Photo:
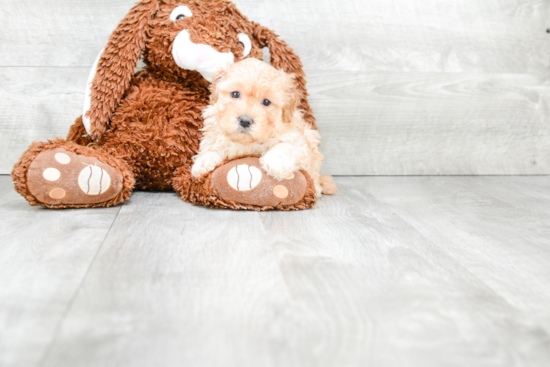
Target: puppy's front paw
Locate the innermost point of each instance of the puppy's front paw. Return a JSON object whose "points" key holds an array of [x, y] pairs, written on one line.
{"points": [[278, 166], [205, 163]]}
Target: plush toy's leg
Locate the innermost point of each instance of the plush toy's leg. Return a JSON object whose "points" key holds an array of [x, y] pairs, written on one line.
{"points": [[61, 174], [241, 183], [78, 134]]}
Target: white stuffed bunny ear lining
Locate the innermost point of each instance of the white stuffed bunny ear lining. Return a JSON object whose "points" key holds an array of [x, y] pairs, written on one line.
{"points": [[88, 94]]}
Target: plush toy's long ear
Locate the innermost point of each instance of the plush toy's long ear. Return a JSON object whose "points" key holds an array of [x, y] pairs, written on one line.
{"points": [[293, 97], [117, 64], [284, 58]]}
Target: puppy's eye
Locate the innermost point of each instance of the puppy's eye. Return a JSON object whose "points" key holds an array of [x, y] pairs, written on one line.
{"points": [[181, 12], [266, 102], [235, 94]]}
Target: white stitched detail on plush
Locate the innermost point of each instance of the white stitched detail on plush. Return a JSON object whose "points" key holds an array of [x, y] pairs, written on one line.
{"points": [[88, 94], [199, 57], [180, 10], [243, 37], [244, 177], [94, 180]]}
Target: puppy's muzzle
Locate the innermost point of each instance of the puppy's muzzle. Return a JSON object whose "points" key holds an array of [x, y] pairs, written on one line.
{"points": [[245, 121]]}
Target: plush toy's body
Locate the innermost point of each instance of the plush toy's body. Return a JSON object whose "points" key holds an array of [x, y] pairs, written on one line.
{"points": [[155, 129], [141, 131]]}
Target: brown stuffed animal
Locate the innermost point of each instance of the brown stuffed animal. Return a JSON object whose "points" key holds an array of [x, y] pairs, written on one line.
{"points": [[142, 130]]}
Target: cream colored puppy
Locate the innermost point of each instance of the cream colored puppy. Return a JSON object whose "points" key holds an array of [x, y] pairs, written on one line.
{"points": [[253, 110]]}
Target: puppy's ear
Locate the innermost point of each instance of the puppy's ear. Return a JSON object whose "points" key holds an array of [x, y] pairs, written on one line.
{"points": [[284, 58], [214, 86], [117, 64], [293, 97]]}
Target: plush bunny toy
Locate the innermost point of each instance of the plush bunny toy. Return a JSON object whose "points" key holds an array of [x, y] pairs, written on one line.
{"points": [[141, 130]]}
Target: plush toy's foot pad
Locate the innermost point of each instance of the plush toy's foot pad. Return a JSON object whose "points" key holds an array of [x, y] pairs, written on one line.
{"points": [[244, 181], [61, 177]]}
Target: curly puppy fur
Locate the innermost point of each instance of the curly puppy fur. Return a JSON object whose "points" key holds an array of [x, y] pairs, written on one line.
{"points": [[254, 110], [151, 120]]}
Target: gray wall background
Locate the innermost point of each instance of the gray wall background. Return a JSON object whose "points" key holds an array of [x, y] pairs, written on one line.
{"points": [[399, 87]]}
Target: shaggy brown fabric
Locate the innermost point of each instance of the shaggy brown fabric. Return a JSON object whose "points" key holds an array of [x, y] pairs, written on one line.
{"points": [[21, 168], [149, 123], [77, 133], [200, 191], [156, 129]]}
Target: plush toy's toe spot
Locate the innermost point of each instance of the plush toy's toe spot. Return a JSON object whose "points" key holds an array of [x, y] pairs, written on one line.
{"points": [[244, 177], [62, 158], [94, 180], [51, 174], [57, 193], [280, 191], [290, 177]]}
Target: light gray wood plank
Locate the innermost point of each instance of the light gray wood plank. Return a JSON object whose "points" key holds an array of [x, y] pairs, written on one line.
{"points": [[523, 192], [410, 36], [432, 124], [44, 257], [371, 123], [67, 33], [380, 35], [351, 283], [37, 104], [497, 228]]}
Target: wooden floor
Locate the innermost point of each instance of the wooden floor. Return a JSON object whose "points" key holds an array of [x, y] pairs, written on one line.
{"points": [[393, 271]]}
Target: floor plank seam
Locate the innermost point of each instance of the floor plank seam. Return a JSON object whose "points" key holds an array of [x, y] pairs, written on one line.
{"points": [[516, 207], [490, 289], [75, 295]]}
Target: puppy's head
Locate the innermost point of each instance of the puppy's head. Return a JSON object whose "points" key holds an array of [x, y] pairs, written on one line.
{"points": [[253, 101]]}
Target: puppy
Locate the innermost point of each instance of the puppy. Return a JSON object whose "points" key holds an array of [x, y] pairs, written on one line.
{"points": [[254, 110]]}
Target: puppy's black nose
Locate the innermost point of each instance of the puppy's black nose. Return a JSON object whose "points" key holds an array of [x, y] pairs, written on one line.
{"points": [[245, 121]]}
